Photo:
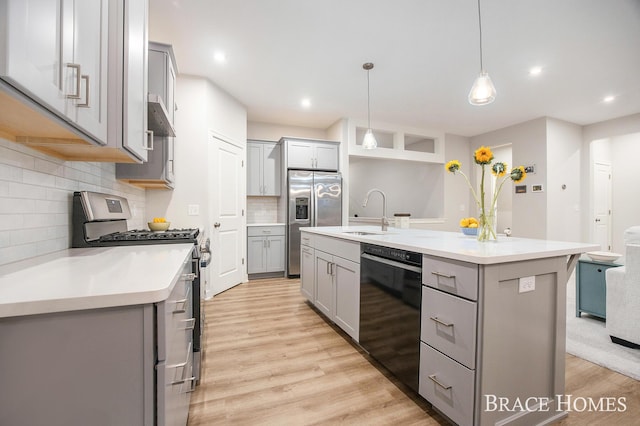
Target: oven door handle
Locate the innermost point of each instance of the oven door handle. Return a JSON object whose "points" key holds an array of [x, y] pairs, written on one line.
{"points": [[391, 263]]}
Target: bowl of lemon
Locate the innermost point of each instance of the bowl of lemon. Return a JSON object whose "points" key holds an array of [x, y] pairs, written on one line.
{"points": [[469, 226], [159, 224]]}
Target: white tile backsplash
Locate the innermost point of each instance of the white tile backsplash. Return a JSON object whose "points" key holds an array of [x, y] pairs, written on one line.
{"points": [[36, 193], [262, 209]]}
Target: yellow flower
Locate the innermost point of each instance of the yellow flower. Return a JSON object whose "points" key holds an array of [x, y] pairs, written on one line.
{"points": [[518, 174], [499, 169], [452, 166], [483, 155]]}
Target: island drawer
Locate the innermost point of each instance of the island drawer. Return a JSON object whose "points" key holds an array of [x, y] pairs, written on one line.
{"points": [[449, 325], [306, 239], [349, 250], [447, 385], [452, 276]]}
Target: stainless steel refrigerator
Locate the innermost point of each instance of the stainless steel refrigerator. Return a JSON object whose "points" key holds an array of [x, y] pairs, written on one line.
{"points": [[314, 199]]}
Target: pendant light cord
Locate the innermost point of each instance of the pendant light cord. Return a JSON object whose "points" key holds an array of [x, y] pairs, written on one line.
{"points": [[368, 103], [480, 27]]}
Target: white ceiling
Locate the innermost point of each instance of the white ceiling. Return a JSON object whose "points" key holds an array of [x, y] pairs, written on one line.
{"points": [[426, 56]]}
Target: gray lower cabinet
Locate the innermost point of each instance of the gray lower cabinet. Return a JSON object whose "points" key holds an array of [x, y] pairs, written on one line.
{"points": [[330, 279], [265, 249], [127, 365], [483, 337]]}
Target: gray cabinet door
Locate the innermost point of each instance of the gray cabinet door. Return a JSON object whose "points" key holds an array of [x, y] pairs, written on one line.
{"points": [[256, 247], [254, 169], [271, 170]]}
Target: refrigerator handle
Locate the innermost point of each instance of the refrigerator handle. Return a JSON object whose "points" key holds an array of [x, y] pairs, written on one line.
{"points": [[314, 208]]}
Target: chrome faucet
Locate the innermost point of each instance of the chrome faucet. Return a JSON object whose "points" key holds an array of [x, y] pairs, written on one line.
{"points": [[385, 221]]}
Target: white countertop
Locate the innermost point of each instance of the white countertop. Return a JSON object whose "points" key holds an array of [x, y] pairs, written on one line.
{"points": [[89, 278], [455, 245], [266, 224]]}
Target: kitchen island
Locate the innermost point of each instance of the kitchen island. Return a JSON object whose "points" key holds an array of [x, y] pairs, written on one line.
{"points": [[97, 336], [492, 334]]}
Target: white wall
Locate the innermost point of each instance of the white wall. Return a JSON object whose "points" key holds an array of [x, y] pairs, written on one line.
{"points": [[273, 132], [625, 203], [202, 106], [563, 188], [36, 193], [529, 146], [410, 187], [457, 199], [596, 145]]}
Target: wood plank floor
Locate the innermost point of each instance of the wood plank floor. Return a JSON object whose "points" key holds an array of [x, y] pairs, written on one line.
{"points": [[270, 359]]}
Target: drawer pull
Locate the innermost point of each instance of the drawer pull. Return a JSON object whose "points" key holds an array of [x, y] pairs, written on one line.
{"points": [[180, 382], [437, 382], [440, 274], [439, 321], [182, 302], [190, 323], [179, 365]]}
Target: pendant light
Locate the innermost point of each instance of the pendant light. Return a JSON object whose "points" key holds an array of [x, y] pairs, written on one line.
{"points": [[482, 92], [369, 141]]}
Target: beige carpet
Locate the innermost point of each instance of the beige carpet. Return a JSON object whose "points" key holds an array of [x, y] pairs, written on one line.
{"points": [[587, 338]]}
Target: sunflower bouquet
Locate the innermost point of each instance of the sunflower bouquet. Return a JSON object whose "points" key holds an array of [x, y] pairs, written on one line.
{"points": [[483, 157]]}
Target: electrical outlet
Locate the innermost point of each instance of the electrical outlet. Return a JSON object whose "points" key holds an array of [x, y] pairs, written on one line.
{"points": [[530, 169], [193, 209], [526, 284]]}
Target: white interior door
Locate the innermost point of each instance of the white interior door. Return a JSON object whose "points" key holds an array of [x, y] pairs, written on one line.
{"points": [[228, 223], [601, 196]]}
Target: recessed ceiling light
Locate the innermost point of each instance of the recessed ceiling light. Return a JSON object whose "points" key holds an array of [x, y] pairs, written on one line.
{"points": [[535, 70], [609, 98], [220, 57], [306, 103]]}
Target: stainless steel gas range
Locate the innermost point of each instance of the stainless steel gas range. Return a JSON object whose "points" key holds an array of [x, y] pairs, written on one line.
{"points": [[100, 220]]}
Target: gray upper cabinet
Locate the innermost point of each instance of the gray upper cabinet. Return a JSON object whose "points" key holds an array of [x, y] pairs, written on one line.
{"points": [[263, 168], [128, 77], [311, 154], [56, 52], [73, 78], [158, 172]]}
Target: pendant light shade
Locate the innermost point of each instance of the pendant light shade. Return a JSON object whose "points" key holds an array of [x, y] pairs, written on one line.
{"points": [[369, 141], [483, 91]]}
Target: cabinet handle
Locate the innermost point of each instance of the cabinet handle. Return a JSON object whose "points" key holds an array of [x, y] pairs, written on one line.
{"points": [[268, 243], [437, 382], [440, 274], [149, 145], [184, 306], [189, 323], [439, 321], [179, 382], [86, 92], [75, 95], [328, 268]]}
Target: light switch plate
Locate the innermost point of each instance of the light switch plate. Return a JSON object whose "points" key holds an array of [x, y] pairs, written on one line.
{"points": [[194, 209], [526, 284]]}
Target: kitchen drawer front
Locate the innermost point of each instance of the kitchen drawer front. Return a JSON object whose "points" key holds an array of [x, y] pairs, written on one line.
{"points": [[349, 250], [261, 231], [306, 239], [449, 325], [447, 385], [455, 277]]}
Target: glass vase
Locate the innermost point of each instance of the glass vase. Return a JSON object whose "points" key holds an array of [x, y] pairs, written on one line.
{"points": [[486, 227]]}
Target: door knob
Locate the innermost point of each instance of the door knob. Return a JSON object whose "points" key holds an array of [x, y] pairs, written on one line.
{"points": [[216, 225]]}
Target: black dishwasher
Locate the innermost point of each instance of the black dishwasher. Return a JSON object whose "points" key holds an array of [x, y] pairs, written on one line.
{"points": [[390, 300]]}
